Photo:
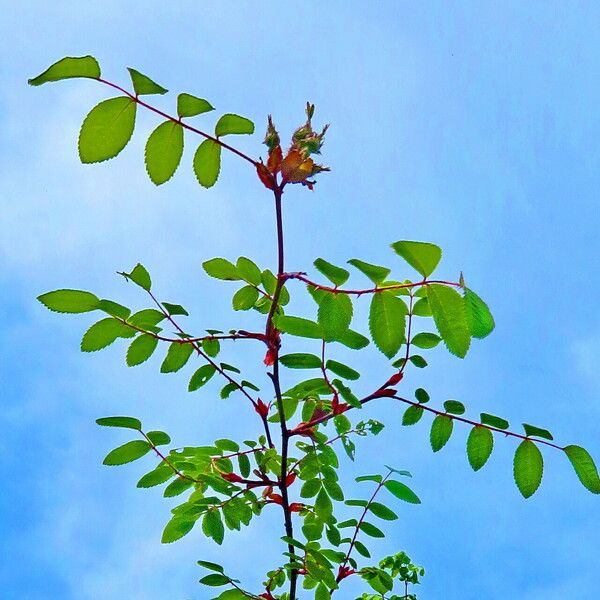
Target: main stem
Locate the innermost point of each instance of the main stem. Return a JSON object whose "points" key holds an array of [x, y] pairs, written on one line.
{"points": [[285, 434]]}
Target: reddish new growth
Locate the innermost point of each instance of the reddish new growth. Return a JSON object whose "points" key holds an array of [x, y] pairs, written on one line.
{"points": [[297, 166]]}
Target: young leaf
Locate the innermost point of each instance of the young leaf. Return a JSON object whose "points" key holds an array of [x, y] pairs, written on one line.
{"points": [[421, 256], [441, 430], [175, 309], [140, 350], [480, 444], [176, 528], [230, 123], [376, 274], [479, 318], [221, 268], [426, 340], [299, 327], [103, 333], [584, 467], [336, 275], [177, 355], [401, 491], [450, 318], [528, 468], [215, 580], [67, 68], [245, 298], [127, 452], [387, 322], [69, 301], [140, 276], [335, 314], [164, 149], [142, 84], [126, 422], [342, 370], [533, 431], [493, 421], [107, 129], [300, 361], [207, 163], [190, 106]]}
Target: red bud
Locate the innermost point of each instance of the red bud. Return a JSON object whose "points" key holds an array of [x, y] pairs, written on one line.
{"points": [[270, 357], [290, 479], [394, 379], [275, 498], [232, 477], [261, 408], [296, 507], [265, 176]]}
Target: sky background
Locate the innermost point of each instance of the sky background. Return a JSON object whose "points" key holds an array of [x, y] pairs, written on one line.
{"points": [[473, 125]]}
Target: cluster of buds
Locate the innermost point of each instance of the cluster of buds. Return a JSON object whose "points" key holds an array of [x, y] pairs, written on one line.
{"points": [[296, 166], [344, 572]]}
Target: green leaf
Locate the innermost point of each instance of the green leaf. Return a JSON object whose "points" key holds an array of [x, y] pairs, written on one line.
{"points": [[207, 163], [233, 594], [299, 327], [127, 453], [114, 309], [126, 422], [421, 256], [212, 347], [336, 275], [103, 333], [401, 491], [335, 315], [426, 340], [69, 301], [454, 407], [528, 468], [450, 318], [322, 593], [376, 274], [107, 129], [382, 511], [212, 526], [371, 530], [300, 360], [362, 549], [190, 106], [200, 377], [584, 466], [418, 361], [175, 309], [479, 447], [245, 298], [177, 355], [140, 350], [422, 396], [354, 340], [479, 318], [533, 431], [493, 421], [67, 68], [421, 308], [140, 276], [164, 149], [387, 322], [215, 580], [142, 84], [412, 415], [441, 430], [176, 528], [248, 271], [221, 268], [211, 566], [342, 370], [158, 438], [177, 487], [147, 318], [161, 474], [230, 123], [323, 505], [347, 394]]}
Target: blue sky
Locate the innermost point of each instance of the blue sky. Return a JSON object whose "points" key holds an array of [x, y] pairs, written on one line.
{"points": [[472, 125]]}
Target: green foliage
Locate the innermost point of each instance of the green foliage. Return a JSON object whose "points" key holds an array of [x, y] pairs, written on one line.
{"points": [[107, 129], [164, 150], [67, 68], [223, 485]]}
